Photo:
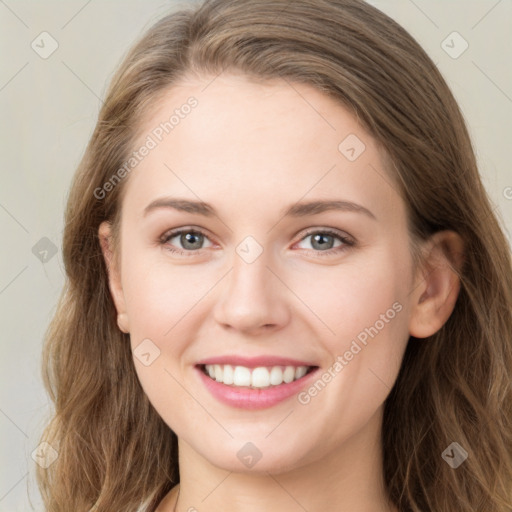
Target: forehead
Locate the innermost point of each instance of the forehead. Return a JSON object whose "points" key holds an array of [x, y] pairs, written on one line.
{"points": [[257, 142]]}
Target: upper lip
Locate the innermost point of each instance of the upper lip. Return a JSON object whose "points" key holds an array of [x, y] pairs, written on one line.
{"points": [[254, 362]]}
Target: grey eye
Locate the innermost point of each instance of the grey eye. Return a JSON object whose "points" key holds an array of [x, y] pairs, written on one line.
{"points": [[191, 240], [322, 241]]}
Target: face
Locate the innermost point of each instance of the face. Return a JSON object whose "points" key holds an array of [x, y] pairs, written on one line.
{"points": [[259, 279]]}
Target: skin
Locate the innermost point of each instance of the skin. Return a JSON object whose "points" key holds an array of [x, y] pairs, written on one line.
{"points": [[250, 150]]}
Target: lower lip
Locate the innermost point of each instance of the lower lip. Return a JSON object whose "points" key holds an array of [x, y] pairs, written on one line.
{"points": [[249, 398]]}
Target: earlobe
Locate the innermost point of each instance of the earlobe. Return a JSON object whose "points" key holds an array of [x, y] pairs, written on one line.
{"points": [[437, 285], [114, 277], [122, 322]]}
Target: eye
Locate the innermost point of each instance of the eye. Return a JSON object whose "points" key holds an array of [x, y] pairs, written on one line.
{"points": [[324, 240], [190, 239]]}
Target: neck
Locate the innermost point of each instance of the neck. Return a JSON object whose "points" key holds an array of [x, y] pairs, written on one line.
{"points": [[350, 477]]}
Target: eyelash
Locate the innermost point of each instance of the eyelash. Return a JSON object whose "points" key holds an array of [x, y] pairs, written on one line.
{"points": [[347, 242]]}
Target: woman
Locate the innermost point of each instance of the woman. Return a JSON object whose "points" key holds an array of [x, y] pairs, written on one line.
{"points": [[286, 287]]}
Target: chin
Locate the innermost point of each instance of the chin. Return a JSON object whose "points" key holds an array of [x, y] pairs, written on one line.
{"points": [[252, 458]]}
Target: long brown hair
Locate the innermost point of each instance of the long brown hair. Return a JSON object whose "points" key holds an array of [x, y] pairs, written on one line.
{"points": [[114, 450]]}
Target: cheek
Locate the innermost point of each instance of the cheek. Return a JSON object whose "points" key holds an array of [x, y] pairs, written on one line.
{"points": [[350, 298], [163, 301], [364, 317], [161, 297]]}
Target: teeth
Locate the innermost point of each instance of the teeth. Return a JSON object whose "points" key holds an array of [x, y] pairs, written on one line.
{"points": [[300, 371], [241, 376], [228, 375], [276, 376], [260, 377], [289, 374]]}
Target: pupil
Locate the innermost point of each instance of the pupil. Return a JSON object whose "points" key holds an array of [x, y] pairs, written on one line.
{"points": [[318, 237], [187, 239]]}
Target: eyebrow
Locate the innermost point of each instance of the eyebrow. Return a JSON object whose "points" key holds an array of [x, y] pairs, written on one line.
{"points": [[295, 210]]}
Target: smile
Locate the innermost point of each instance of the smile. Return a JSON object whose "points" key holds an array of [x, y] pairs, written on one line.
{"points": [[256, 378], [254, 383]]}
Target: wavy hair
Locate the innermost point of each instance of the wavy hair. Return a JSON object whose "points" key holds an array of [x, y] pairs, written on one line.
{"points": [[115, 452]]}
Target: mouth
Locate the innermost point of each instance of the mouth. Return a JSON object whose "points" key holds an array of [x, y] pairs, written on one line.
{"points": [[254, 382], [260, 377]]}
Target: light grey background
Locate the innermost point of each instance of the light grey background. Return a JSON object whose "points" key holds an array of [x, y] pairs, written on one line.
{"points": [[49, 107]]}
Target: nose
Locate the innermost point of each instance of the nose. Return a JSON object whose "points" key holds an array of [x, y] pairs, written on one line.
{"points": [[253, 299]]}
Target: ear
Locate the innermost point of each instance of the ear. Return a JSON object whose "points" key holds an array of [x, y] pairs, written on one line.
{"points": [[114, 275], [437, 284]]}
